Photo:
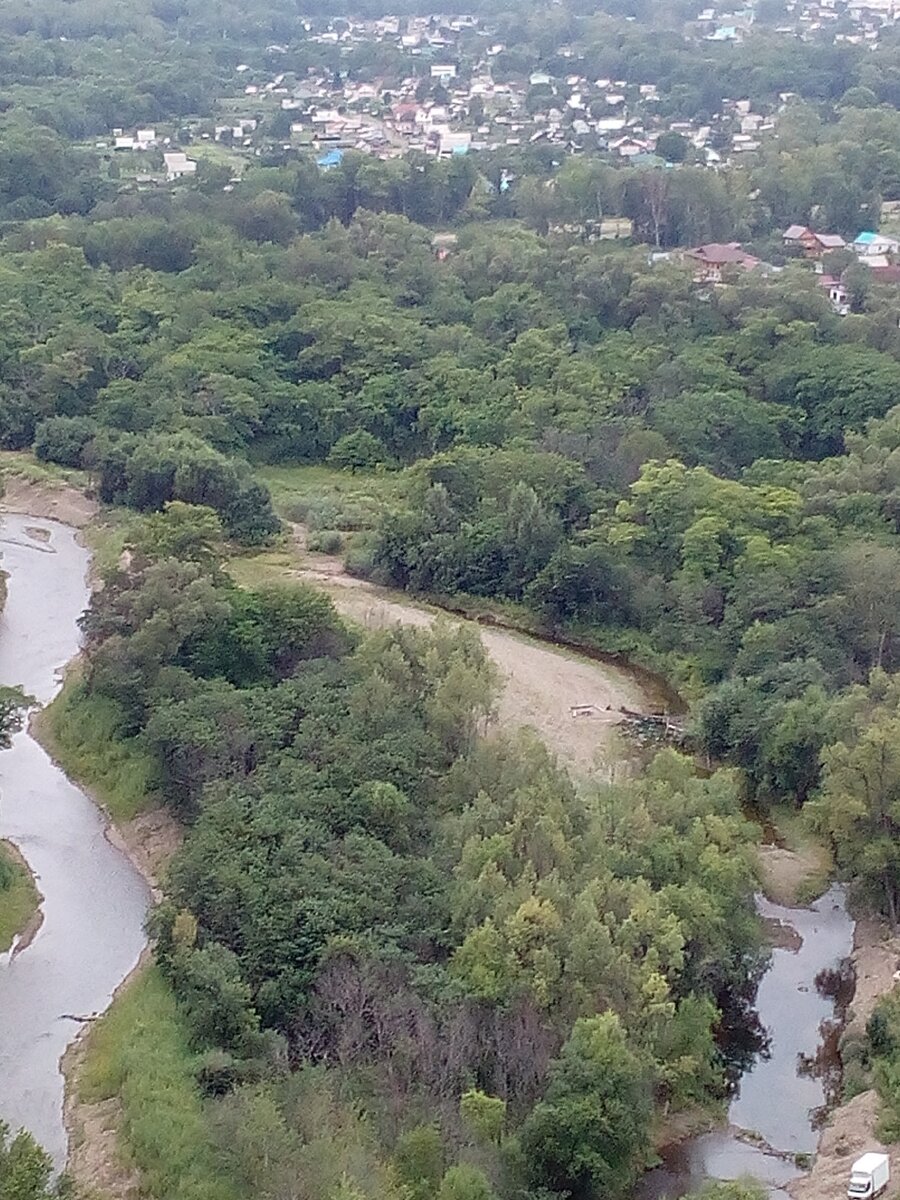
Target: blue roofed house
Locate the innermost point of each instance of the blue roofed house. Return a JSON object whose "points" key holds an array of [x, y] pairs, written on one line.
{"points": [[872, 245], [331, 158]]}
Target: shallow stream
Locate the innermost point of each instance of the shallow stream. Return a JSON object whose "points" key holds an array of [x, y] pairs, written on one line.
{"points": [[778, 1102], [94, 899]]}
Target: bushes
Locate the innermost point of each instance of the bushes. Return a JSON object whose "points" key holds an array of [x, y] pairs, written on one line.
{"points": [[62, 440], [147, 473], [327, 542], [83, 732]]}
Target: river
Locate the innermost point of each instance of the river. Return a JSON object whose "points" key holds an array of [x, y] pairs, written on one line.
{"points": [[94, 899], [779, 1098]]}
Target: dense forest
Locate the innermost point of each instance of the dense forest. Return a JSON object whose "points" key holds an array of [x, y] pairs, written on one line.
{"points": [[483, 955], [402, 955]]}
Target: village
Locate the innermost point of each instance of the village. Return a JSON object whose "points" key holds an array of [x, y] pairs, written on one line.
{"points": [[444, 85]]}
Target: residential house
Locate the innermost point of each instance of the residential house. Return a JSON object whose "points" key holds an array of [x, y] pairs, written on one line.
{"points": [[886, 273], [453, 143], [178, 165], [813, 245], [628, 147], [714, 260], [870, 245], [331, 158], [837, 294]]}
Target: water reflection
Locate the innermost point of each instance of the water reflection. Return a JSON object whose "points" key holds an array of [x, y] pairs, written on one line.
{"points": [[784, 1060]]}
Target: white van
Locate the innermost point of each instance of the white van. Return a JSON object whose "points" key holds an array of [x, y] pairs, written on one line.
{"points": [[869, 1176]]}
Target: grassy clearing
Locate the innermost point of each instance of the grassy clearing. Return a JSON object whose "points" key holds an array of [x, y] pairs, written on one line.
{"points": [[19, 898], [24, 464], [139, 1054], [106, 537], [81, 732], [323, 498], [269, 566]]}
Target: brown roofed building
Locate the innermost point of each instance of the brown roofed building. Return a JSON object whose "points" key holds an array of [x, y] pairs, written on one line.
{"points": [[715, 258], [813, 245]]}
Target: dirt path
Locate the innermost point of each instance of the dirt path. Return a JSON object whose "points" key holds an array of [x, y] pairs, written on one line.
{"points": [[541, 683]]}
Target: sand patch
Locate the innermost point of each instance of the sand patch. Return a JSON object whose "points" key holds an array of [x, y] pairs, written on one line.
{"points": [[57, 501]]}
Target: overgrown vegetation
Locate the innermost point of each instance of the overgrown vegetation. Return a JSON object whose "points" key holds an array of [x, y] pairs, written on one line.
{"points": [[82, 733], [19, 897], [139, 1055], [371, 888]]}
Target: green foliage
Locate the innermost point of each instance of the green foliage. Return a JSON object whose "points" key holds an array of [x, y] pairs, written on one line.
{"points": [[360, 862], [190, 532], [19, 897], [856, 808], [357, 451], [295, 1135], [880, 1058], [484, 1116], [419, 1160], [465, 1182], [732, 1189], [586, 1134], [26, 1171], [63, 439], [13, 705]]}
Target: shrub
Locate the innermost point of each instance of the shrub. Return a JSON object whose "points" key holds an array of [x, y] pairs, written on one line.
{"points": [[63, 439]]}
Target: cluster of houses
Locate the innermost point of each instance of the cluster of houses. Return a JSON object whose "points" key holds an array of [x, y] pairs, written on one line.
{"points": [[448, 86], [439, 108], [175, 163], [484, 103], [858, 22], [714, 262]]}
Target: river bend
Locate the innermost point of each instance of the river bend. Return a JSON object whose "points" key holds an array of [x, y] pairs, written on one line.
{"points": [[94, 899]]}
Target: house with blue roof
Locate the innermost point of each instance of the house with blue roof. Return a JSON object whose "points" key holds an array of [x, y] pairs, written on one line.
{"points": [[873, 245], [331, 158]]}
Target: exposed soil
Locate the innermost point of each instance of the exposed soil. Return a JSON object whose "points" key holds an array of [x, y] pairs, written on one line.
{"points": [[150, 840], [55, 500], [876, 955], [541, 683], [850, 1129]]}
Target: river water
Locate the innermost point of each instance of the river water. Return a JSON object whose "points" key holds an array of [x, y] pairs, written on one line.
{"points": [[780, 1097], [94, 899]]}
